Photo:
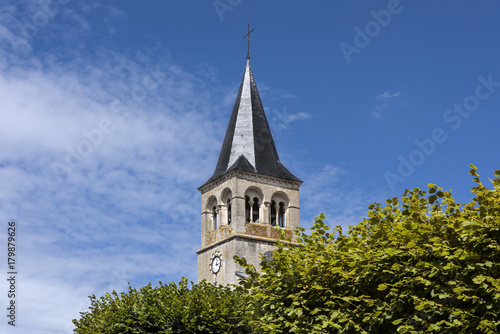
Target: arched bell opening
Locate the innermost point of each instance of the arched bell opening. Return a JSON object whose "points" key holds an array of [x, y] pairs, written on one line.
{"points": [[278, 210], [253, 205], [212, 208]]}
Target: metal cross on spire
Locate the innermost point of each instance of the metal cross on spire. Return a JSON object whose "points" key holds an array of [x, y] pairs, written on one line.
{"points": [[248, 35]]}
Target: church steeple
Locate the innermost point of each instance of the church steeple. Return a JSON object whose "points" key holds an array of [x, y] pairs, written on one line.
{"points": [[248, 144], [250, 195]]}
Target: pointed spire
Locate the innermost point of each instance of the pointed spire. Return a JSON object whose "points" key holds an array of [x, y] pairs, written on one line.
{"points": [[248, 144]]}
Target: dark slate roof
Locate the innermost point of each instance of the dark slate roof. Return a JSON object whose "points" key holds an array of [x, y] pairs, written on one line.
{"points": [[248, 144]]}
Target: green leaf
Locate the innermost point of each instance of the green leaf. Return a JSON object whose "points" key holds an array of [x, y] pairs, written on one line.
{"points": [[432, 199], [397, 322], [479, 279]]}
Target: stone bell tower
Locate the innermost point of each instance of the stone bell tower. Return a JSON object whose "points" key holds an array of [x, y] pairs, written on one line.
{"points": [[249, 195]]}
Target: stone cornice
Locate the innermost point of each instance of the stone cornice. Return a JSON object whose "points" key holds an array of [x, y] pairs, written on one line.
{"points": [[253, 177], [244, 236]]}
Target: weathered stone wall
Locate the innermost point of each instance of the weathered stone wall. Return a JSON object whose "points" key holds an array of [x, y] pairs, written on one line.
{"points": [[242, 238], [243, 246]]}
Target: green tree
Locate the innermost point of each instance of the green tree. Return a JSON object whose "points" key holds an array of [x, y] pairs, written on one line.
{"points": [[168, 309], [423, 263]]}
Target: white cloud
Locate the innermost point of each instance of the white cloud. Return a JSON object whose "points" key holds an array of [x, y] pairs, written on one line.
{"points": [[127, 210], [377, 112], [281, 119], [383, 103], [271, 93], [387, 95]]}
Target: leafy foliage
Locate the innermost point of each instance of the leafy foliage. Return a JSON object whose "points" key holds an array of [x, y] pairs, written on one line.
{"points": [[166, 309], [420, 264]]}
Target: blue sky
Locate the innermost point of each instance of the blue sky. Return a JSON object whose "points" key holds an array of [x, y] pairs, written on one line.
{"points": [[112, 113]]}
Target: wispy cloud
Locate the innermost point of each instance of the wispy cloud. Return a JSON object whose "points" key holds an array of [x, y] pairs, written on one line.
{"points": [[281, 119], [376, 112], [272, 93], [387, 95], [383, 102], [289, 96], [127, 204]]}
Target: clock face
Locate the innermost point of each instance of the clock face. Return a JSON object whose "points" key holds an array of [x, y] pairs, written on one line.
{"points": [[216, 264]]}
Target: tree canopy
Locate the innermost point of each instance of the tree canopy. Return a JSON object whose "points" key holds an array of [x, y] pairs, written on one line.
{"points": [[166, 309], [422, 263]]}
